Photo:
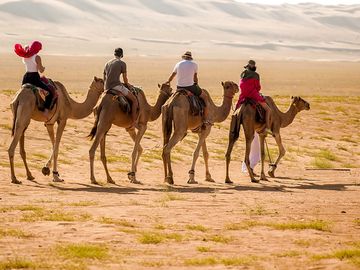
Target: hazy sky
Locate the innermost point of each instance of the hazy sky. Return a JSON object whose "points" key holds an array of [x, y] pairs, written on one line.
{"points": [[323, 2]]}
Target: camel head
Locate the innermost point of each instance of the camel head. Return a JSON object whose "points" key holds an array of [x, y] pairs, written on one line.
{"points": [[97, 85], [165, 88], [300, 104], [230, 88]]}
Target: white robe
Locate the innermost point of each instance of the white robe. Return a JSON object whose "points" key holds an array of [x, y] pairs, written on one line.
{"points": [[255, 154]]}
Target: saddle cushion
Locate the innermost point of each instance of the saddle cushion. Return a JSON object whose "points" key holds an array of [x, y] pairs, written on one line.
{"points": [[197, 104], [260, 114], [124, 103]]}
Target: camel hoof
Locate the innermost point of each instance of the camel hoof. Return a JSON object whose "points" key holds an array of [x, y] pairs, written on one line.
{"points": [[110, 181], [228, 181], [45, 171], [271, 174], [15, 181], [94, 182], [263, 178], [210, 180], [135, 181], [192, 181], [169, 180], [30, 177], [255, 181]]}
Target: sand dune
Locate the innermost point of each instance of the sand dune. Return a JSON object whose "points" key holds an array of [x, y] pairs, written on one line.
{"points": [[168, 27]]}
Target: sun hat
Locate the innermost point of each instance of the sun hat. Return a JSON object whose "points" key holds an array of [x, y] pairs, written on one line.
{"points": [[251, 63], [187, 55]]}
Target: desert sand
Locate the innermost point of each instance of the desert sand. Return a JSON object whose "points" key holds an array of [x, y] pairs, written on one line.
{"points": [[308, 217], [305, 218]]}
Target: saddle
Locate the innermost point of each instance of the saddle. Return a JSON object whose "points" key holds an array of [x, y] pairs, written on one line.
{"points": [[124, 103], [197, 104], [41, 94], [260, 114]]}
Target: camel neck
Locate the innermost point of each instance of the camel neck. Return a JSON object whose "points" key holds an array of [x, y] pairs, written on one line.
{"points": [[156, 109], [82, 110], [221, 112], [288, 117]]}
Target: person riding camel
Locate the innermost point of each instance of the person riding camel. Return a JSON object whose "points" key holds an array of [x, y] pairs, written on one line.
{"points": [[186, 72], [33, 67], [250, 88], [112, 71]]}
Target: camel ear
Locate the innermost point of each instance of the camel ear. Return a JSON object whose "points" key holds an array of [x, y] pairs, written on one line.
{"points": [[96, 78], [159, 85], [222, 83]]}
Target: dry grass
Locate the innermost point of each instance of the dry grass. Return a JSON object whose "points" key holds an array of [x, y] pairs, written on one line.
{"points": [[83, 251]]}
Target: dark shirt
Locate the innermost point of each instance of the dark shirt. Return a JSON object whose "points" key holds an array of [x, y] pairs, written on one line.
{"points": [[112, 71]]}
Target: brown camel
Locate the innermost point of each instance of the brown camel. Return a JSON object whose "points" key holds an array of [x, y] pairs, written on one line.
{"points": [[109, 112], [24, 109], [245, 116], [176, 112]]}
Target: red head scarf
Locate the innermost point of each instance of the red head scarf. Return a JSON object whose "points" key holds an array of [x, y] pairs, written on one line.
{"points": [[27, 52]]}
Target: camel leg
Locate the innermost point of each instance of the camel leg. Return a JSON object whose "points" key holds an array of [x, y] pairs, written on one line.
{"points": [[92, 156], [262, 150], [46, 169], [23, 156], [101, 132], [11, 151], [104, 161], [201, 141], [249, 135], [206, 160], [228, 159], [59, 132], [175, 138], [282, 151], [132, 134], [21, 125], [136, 154]]}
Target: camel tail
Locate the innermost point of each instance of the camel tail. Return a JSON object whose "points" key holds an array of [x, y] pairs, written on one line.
{"points": [[14, 109], [167, 119], [93, 131]]}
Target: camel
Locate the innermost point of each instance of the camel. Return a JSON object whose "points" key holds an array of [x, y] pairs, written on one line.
{"points": [[176, 112], [24, 109], [245, 115], [109, 112]]}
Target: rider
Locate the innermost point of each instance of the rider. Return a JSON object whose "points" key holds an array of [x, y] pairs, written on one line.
{"points": [[112, 71], [250, 88], [186, 71], [33, 66]]}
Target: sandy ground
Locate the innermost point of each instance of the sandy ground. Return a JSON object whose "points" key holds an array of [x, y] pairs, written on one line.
{"points": [[303, 219]]}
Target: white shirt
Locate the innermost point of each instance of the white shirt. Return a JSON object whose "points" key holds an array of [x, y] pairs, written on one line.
{"points": [[30, 64], [185, 71]]}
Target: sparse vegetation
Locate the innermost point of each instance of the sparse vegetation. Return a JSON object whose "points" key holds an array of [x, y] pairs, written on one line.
{"points": [[14, 233], [209, 261], [203, 249], [16, 263], [83, 251], [200, 228], [151, 238], [118, 222], [54, 215], [82, 203]]}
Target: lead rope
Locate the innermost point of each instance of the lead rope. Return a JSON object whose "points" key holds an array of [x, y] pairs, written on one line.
{"points": [[267, 149]]}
